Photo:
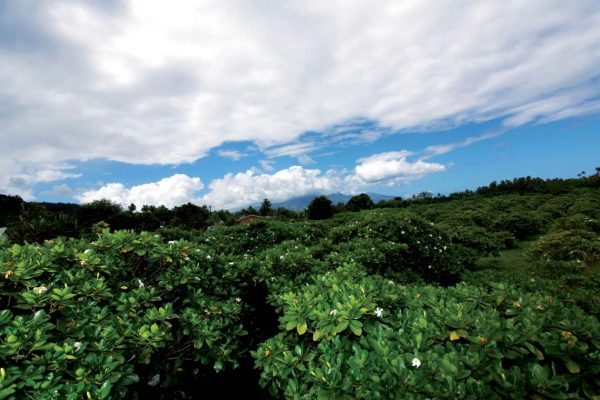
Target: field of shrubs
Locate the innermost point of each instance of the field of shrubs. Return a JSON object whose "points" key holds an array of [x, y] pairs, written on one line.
{"points": [[482, 296]]}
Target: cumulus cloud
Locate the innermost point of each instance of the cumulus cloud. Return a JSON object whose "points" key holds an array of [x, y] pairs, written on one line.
{"points": [[148, 81], [244, 188], [171, 191], [394, 167]]}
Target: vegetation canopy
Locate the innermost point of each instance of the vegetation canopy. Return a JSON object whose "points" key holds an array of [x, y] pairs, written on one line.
{"points": [[489, 294]]}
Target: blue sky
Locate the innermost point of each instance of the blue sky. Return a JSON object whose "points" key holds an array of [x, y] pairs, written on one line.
{"points": [[225, 104]]}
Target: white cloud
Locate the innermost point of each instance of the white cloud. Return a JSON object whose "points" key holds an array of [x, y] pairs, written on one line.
{"points": [[250, 187], [267, 165], [148, 81], [438, 149], [393, 166], [19, 178], [171, 191], [231, 154], [244, 188]]}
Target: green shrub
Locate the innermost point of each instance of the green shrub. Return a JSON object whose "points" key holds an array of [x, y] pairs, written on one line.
{"points": [[259, 235], [97, 317], [577, 222], [358, 337], [417, 245], [572, 245], [521, 224]]}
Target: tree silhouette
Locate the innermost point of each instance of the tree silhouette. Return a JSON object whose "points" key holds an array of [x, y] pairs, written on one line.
{"points": [[320, 208], [265, 208]]}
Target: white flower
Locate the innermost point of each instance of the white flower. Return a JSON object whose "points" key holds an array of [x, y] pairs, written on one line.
{"points": [[445, 247], [230, 263], [77, 345], [86, 251], [429, 266], [416, 362], [390, 282], [403, 232], [140, 284], [379, 312], [333, 312], [171, 242], [40, 290], [208, 257], [238, 299], [187, 258], [154, 380], [281, 257]]}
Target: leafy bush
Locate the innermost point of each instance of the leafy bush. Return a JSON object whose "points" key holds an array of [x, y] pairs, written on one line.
{"points": [[348, 336], [417, 245], [572, 245], [577, 222], [476, 242], [506, 239], [521, 224], [258, 236], [97, 317]]}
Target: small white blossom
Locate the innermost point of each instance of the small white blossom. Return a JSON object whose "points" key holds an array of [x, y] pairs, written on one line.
{"points": [[379, 312], [170, 242], [208, 257], [416, 362], [154, 380], [86, 251], [238, 299], [40, 290], [140, 284], [390, 282], [77, 345], [333, 312]]}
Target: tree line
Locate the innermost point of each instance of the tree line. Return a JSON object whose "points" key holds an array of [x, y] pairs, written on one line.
{"points": [[37, 221]]}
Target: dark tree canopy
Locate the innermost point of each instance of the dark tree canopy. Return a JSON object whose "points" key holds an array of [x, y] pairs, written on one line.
{"points": [[265, 208], [320, 208], [360, 202]]}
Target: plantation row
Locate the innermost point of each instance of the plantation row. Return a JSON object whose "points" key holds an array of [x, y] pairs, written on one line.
{"points": [[378, 304]]}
